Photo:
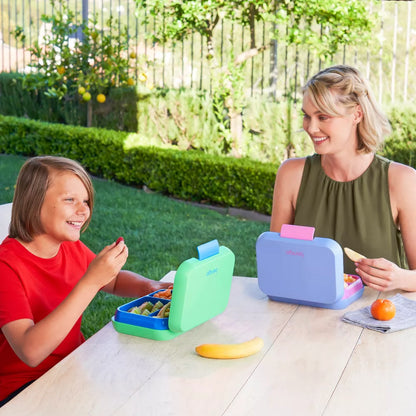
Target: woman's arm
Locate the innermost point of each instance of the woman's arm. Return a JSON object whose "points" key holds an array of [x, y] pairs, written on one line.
{"points": [[286, 189], [382, 274]]}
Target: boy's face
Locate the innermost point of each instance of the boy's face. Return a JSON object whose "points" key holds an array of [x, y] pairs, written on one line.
{"points": [[65, 208]]}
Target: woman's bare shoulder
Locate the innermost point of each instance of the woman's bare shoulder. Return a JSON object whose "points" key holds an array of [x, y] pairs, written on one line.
{"points": [[289, 177], [402, 185], [292, 166], [288, 180], [401, 177], [400, 170]]}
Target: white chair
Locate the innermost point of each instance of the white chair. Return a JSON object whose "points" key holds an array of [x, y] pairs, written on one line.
{"points": [[5, 217]]}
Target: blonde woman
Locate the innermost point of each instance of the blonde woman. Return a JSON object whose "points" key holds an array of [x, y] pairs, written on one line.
{"points": [[345, 190]]}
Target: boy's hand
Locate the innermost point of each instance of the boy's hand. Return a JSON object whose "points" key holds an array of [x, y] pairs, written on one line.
{"points": [[108, 263]]}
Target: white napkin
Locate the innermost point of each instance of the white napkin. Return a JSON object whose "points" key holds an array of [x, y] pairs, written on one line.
{"points": [[405, 316]]}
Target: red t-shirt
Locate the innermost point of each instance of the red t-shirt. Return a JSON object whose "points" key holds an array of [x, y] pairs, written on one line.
{"points": [[31, 287]]}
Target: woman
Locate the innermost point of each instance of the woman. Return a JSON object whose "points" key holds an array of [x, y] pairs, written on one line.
{"points": [[47, 275], [345, 190]]}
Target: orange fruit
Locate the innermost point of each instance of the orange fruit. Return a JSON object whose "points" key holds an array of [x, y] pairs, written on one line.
{"points": [[81, 90], [101, 98], [383, 309]]}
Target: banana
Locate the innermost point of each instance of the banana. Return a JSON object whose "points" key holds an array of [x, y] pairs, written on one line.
{"points": [[226, 351]]}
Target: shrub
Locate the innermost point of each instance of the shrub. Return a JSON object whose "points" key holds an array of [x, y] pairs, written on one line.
{"points": [[189, 175], [401, 145]]}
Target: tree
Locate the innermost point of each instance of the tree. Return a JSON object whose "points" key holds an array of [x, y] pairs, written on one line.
{"points": [[322, 25], [66, 68]]}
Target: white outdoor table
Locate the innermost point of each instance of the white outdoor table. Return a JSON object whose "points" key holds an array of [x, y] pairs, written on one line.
{"points": [[312, 363]]}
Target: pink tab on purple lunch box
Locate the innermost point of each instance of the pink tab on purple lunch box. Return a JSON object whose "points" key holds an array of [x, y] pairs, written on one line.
{"points": [[299, 232]]}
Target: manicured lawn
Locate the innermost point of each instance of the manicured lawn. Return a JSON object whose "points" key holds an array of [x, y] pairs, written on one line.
{"points": [[160, 233]]}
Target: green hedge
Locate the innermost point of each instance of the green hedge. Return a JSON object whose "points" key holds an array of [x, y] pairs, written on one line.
{"points": [[189, 175], [401, 145]]}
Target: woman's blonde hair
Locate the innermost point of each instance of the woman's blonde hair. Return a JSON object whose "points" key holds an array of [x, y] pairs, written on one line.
{"points": [[32, 183], [351, 89]]}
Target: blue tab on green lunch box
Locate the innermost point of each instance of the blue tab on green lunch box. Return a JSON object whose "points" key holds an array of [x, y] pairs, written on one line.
{"points": [[200, 291]]}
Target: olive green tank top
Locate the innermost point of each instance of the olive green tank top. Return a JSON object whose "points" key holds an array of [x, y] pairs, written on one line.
{"points": [[356, 214]]}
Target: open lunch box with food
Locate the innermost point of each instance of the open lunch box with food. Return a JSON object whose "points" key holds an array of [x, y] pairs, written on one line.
{"points": [[296, 267], [200, 291]]}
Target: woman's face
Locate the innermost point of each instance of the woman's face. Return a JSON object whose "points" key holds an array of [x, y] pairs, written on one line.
{"points": [[330, 134], [65, 208]]}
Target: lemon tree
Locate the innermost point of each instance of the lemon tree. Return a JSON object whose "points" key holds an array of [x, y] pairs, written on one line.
{"points": [[79, 70]]}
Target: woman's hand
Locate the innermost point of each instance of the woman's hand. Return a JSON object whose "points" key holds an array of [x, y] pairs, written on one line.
{"points": [[383, 275]]}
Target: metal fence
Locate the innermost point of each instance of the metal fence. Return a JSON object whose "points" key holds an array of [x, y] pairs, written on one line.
{"points": [[389, 61]]}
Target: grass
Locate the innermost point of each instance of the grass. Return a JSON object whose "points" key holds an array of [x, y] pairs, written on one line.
{"points": [[160, 233]]}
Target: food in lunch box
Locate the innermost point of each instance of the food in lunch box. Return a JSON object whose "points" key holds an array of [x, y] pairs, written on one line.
{"points": [[164, 312], [146, 308], [164, 294], [157, 306], [383, 310], [226, 351], [138, 311], [348, 279]]}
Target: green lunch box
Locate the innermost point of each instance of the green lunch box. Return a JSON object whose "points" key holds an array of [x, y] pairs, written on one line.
{"points": [[201, 291]]}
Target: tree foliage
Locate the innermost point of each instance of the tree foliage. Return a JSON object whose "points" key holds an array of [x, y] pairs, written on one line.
{"points": [[68, 66], [323, 25]]}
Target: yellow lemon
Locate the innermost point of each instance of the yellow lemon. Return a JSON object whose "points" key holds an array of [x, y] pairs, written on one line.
{"points": [[101, 98], [130, 81], [86, 96], [81, 90], [132, 55]]}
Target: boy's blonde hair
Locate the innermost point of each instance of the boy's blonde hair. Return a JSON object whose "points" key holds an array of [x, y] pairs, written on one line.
{"points": [[351, 89], [31, 186]]}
